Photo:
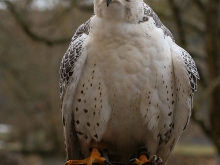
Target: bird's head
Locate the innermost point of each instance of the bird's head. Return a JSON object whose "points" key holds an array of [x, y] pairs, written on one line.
{"points": [[123, 10]]}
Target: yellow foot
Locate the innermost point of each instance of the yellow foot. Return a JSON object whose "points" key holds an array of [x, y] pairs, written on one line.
{"points": [[95, 157], [142, 160]]}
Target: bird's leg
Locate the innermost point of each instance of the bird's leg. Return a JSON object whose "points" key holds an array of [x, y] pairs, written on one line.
{"points": [[95, 157], [143, 158]]}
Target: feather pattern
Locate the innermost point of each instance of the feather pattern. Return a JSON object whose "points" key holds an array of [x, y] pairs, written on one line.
{"points": [[161, 79], [70, 70], [189, 62], [148, 12], [191, 68], [71, 56]]}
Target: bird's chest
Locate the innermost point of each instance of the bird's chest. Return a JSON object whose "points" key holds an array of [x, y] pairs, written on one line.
{"points": [[124, 55], [110, 90], [125, 61]]}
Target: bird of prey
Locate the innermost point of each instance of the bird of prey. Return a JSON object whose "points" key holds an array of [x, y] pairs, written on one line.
{"points": [[126, 87]]}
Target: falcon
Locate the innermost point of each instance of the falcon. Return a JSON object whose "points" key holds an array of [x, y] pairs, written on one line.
{"points": [[126, 87]]}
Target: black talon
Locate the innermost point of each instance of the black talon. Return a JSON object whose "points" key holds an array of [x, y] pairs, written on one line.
{"points": [[145, 151], [104, 153], [131, 161], [107, 162], [156, 160]]}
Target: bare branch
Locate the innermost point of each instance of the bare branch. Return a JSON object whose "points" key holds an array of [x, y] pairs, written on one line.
{"points": [[206, 93], [212, 86], [28, 31], [83, 6], [202, 125], [60, 15], [199, 4], [178, 20], [193, 24]]}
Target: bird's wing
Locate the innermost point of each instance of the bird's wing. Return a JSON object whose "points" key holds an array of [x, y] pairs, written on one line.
{"points": [[70, 70], [189, 62], [186, 76], [148, 12]]}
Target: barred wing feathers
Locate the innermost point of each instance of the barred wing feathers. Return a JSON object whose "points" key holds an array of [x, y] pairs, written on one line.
{"points": [[70, 70]]}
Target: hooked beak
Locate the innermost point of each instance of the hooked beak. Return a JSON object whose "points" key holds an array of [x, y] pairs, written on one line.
{"points": [[108, 2]]}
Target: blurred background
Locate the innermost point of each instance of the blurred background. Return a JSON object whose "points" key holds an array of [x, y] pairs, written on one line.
{"points": [[34, 35]]}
